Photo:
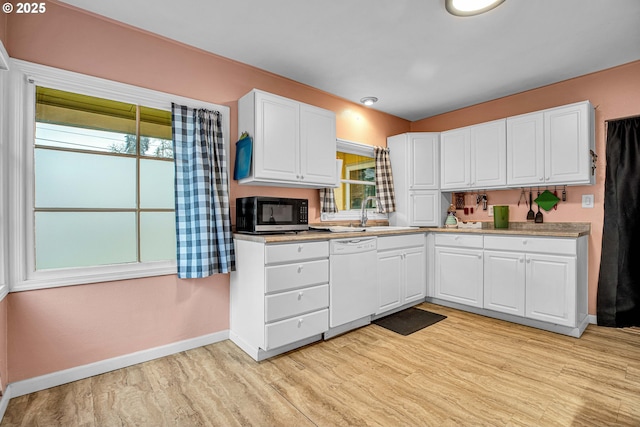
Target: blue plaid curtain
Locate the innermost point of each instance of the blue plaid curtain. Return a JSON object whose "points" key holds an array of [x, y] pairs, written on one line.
{"points": [[203, 221]]}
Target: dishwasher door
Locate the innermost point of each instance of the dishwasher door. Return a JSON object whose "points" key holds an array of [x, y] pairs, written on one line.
{"points": [[353, 280]]}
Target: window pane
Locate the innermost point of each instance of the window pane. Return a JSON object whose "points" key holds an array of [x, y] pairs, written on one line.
{"points": [[156, 184], [79, 180], [157, 236], [84, 122], [155, 133], [355, 168], [354, 194], [82, 239]]}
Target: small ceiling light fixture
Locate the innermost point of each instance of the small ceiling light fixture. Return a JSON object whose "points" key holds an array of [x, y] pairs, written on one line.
{"points": [[369, 100], [470, 7]]}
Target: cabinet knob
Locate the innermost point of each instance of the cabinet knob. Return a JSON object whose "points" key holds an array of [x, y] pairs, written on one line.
{"points": [[529, 261], [300, 295], [521, 260], [524, 242], [300, 322], [300, 248], [300, 269], [541, 179], [479, 256], [301, 176]]}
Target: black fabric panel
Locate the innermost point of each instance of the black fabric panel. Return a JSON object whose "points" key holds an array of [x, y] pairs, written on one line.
{"points": [[619, 280]]}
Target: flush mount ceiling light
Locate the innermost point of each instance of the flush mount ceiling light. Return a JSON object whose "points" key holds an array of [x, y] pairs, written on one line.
{"points": [[470, 7], [369, 100]]}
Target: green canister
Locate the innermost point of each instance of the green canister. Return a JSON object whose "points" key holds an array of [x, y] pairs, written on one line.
{"points": [[501, 216]]}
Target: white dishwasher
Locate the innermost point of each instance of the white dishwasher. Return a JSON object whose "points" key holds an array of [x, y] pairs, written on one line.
{"points": [[353, 284]]}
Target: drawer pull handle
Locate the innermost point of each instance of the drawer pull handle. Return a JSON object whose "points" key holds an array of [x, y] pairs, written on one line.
{"points": [[300, 269], [300, 295], [300, 322]]}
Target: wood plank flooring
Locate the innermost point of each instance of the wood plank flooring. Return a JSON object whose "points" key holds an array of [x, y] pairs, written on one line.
{"points": [[467, 370]]}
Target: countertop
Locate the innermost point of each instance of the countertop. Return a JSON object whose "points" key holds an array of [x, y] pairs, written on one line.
{"points": [[557, 229]]}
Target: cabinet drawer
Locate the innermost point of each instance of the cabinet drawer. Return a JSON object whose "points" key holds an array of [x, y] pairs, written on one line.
{"points": [[404, 241], [291, 276], [289, 252], [459, 240], [292, 303], [547, 245], [297, 328]]}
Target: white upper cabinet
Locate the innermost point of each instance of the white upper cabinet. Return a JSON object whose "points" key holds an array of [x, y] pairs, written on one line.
{"points": [[568, 139], [294, 144], [423, 160], [415, 164], [525, 151], [317, 145], [551, 146], [474, 157]]}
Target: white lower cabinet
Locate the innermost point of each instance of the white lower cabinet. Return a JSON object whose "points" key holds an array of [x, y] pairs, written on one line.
{"points": [[459, 275], [542, 280], [279, 296], [402, 271], [551, 289], [504, 280], [458, 268]]}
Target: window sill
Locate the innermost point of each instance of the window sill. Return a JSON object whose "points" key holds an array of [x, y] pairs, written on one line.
{"points": [[84, 276], [353, 215]]}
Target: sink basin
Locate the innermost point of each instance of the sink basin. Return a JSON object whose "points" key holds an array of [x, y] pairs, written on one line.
{"points": [[389, 228]]}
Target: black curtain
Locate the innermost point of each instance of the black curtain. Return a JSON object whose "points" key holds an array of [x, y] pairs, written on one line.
{"points": [[619, 281]]}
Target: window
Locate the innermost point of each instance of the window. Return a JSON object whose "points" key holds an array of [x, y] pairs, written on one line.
{"points": [[357, 182], [103, 182], [93, 199]]}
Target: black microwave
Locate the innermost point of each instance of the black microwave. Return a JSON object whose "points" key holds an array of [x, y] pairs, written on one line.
{"points": [[260, 214]]}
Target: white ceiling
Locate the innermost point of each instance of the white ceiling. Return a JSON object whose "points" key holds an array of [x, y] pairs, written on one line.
{"points": [[411, 54]]}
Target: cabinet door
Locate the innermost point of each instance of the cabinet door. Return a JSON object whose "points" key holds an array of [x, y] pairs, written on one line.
{"points": [[317, 145], [551, 289], [415, 277], [390, 276], [567, 144], [424, 209], [455, 159], [488, 155], [276, 154], [504, 280], [459, 275], [424, 161], [525, 150]]}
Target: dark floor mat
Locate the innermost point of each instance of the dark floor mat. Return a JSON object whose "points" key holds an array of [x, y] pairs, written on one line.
{"points": [[408, 321]]}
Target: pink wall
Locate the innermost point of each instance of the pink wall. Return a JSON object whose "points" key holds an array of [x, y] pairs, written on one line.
{"points": [[614, 93], [55, 329], [4, 371]]}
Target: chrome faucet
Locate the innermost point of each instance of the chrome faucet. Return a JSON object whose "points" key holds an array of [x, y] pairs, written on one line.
{"points": [[363, 216]]}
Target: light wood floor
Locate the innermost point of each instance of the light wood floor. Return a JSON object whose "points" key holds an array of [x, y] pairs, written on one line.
{"points": [[467, 370]]}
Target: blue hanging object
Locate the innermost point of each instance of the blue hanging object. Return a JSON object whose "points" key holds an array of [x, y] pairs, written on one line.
{"points": [[244, 148]]}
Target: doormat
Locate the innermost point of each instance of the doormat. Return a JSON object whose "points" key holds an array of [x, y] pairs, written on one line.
{"points": [[408, 321]]}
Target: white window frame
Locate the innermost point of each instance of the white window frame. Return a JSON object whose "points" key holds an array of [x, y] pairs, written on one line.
{"points": [[361, 149], [4, 67], [24, 77]]}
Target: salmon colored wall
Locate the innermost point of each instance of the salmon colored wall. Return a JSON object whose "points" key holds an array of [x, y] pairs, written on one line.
{"points": [[614, 92], [55, 329], [4, 372], [60, 328]]}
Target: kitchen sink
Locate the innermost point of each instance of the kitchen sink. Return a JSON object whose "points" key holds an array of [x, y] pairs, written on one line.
{"points": [[389, 228]]}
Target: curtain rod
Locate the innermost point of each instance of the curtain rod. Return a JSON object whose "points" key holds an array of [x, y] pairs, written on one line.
{"points": [[623, 118]]}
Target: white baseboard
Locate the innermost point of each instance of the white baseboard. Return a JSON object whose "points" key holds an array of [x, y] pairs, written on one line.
{"points": [[593, 319], [31, 385], [4, 402]]}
